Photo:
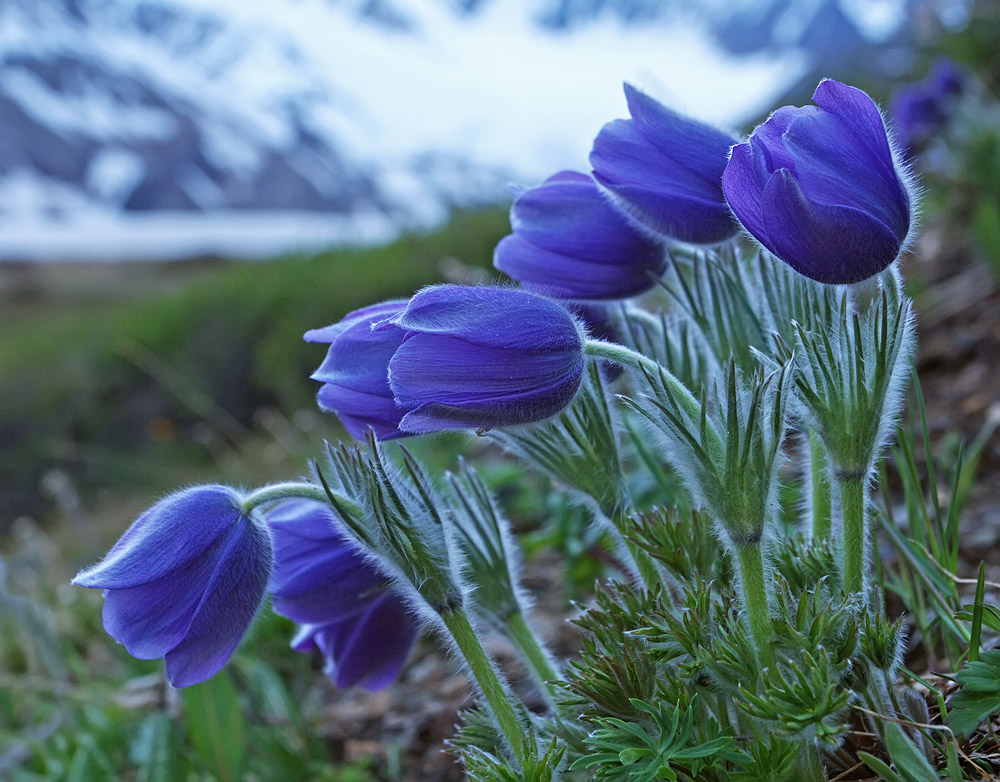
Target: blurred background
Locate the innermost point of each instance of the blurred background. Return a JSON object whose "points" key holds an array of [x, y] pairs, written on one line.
{"points": [[186, 186]]}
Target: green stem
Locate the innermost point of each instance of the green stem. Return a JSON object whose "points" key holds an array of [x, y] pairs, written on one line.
{"points": [[627, 357], [750, 567], [498, 697], [810, 765], [853, 509], [277, 492], [537, 658], [819, 490]]}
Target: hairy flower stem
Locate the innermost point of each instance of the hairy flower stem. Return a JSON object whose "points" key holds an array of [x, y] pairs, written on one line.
{"points": [[854, 511], [627, 357], [498, 697], [810, 766], [285, 491], [820, 506], [535, 656], [750, 568]]}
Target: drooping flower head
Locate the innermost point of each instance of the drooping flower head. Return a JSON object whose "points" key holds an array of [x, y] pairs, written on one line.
{"points": [[570, 242], [819, 186], [665, 170], [185, 581], [483, 357], [344, 604], [355, 374]]}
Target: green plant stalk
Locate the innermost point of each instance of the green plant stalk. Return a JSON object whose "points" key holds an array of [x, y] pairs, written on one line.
{"points": [[630, 358], [285, 491], [854, 511], [809, 763], [750, 568], [819, 490], [497, 695], [535, 656]]}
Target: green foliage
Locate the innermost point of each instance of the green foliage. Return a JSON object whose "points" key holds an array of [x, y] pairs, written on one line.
{"points": [[670, 683], [614, 669], [578, 447], [215, 726], [664, 743], [849, 375], [395, 513], [715, 297], [910, 764], [686, 546], [75, 707], [727, 447], [979, 697], [926, 537], [805, 698], [491, 560]]}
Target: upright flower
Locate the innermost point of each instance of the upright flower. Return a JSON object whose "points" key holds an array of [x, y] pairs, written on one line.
{"points": [[665, 170], [571, 243], [820, 188], [355, 375], [483, 357], [185, 581], [345, 606]]}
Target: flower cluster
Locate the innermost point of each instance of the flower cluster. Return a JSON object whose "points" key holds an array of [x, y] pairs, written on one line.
{"points": [[187, 578], [820, 187], [755, 631], [450, 358]]}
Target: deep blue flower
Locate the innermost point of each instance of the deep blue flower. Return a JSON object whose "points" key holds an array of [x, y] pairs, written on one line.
{"points": [[819, 187], [919, 111], [483, 357], [571, 243], [347, 610], [354, 373], [665, 170], [185, 581]]}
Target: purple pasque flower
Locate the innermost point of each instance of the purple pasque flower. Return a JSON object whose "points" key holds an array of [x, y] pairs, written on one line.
{"points": [[919, 111], [344, 604], [483, 357], [665, 170], [185, 581], [820, 188], [354, 373], [571, 243]]}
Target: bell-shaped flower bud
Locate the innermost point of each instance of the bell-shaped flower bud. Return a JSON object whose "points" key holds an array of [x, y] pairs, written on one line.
{"points": [[355, 373], [185, 581], [569, 242], [665, 170], [820, 187], [483, 357], [345, 605]]}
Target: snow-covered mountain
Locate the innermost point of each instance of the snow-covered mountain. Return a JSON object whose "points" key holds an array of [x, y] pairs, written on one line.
{"points": [[154, 128]]}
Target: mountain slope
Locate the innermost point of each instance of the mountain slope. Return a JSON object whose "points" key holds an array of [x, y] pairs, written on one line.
{"points": [[169, 127]]}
